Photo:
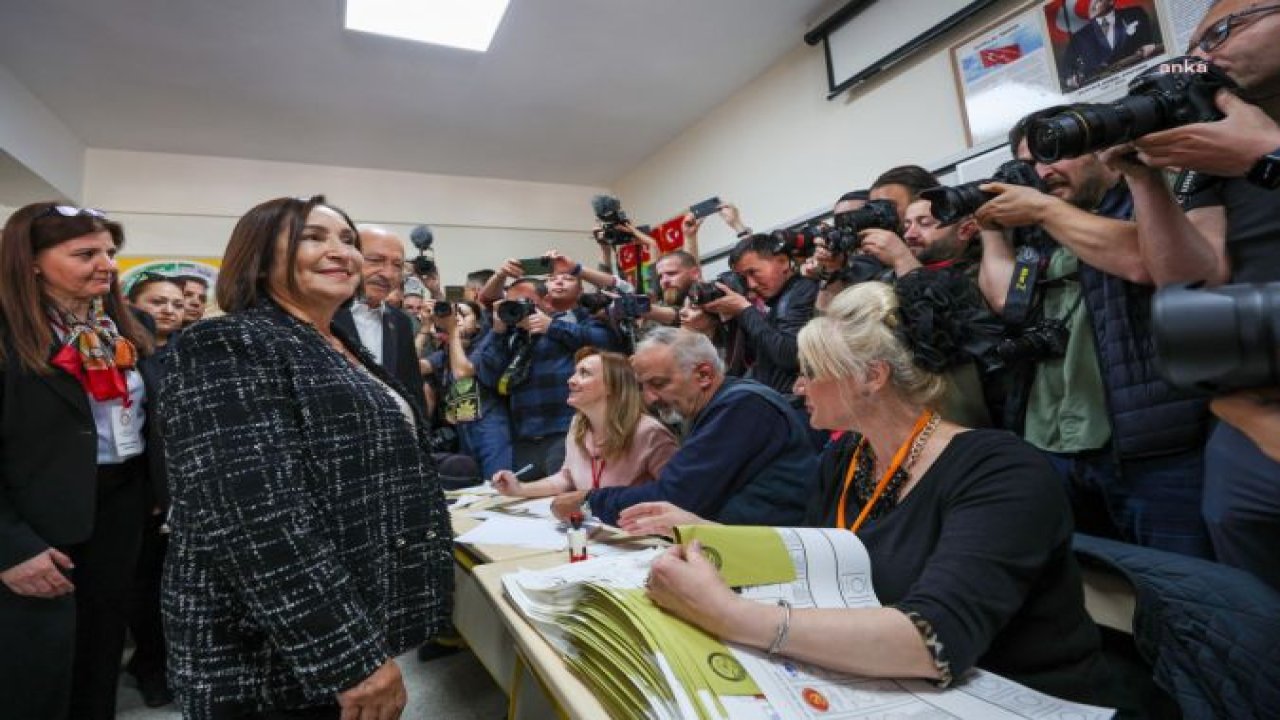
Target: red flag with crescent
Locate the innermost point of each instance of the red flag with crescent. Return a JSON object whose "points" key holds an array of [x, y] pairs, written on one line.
{"points": [[1002, 55]]}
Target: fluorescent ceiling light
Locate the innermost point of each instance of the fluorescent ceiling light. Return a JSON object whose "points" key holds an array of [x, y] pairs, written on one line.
{"points": [[466, 24]]}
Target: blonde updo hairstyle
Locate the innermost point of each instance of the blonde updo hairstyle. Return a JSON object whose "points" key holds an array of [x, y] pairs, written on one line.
{"points": [[856, 332]]}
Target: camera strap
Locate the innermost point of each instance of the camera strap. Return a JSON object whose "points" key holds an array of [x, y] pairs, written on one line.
{"points": [[1027, 266]]}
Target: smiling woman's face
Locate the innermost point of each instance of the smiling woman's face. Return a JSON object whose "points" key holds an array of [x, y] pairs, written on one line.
{"points": [[326, 266]]}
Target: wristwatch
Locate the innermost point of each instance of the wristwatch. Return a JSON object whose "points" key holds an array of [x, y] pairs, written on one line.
{"points": [[1266, 172]]}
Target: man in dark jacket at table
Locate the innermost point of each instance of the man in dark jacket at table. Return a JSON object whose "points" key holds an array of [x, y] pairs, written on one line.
{"points": [[745, 459]]}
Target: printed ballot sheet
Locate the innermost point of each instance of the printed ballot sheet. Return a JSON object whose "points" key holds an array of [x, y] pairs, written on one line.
{"points": [[644, 663], [833, 570]]}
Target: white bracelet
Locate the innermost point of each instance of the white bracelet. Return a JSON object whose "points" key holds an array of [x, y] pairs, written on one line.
{"points": [[783, 628]]}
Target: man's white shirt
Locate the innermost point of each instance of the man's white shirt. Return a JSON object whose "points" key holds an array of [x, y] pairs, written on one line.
{"points": [[369, 326]]}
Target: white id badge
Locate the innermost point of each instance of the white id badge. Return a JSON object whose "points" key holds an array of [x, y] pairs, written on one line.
{"points": [[127, 431]]}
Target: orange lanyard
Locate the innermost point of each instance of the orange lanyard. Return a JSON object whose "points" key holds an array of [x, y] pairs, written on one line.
{"points": [[597, 472], [898, 459]]}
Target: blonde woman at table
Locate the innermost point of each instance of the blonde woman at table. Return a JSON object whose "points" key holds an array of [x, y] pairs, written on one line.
{"points": [[968, 531], [611, 443]]}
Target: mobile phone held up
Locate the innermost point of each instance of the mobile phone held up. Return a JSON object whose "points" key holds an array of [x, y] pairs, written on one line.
{"points": [[710, 206], [535, 266]]}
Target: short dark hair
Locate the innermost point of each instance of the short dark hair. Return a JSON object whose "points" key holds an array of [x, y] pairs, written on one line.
{"points": [[242, 281], [912, 177], [184, 279], [538, 286], [760, 244], [1018, 132], [863, 195]]}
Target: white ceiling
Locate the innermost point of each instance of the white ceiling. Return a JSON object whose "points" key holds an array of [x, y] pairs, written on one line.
{"points": [[571, 91]]}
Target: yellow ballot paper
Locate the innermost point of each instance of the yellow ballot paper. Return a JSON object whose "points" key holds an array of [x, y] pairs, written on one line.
{"points": [[744, 555]]}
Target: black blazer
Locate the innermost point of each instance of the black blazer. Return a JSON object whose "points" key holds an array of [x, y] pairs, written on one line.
{"points": [[310, 537], [48, 461], [399, 357]]}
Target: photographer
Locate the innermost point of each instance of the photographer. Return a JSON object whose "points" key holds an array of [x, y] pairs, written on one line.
{"points": [[1230, 232], [477, 414], [770, 334], [530, 361], [827, 263], [1127, 444], [677, 272]]}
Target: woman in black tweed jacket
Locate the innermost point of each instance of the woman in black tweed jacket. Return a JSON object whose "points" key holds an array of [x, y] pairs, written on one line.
{"points": [[310, 541]]}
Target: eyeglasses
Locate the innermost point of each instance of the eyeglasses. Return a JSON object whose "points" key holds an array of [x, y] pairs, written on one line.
{"points": [[1218, 32], [73, 211]]}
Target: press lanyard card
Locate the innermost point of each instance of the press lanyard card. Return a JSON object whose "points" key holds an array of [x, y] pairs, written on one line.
{"points": [[127, 430]]}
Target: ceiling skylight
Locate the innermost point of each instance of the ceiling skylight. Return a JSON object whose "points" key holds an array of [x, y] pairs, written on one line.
{"points": [[466, 24]]}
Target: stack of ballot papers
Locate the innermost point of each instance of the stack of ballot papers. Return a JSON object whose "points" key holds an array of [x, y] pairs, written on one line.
{"points": [[644, 663]]}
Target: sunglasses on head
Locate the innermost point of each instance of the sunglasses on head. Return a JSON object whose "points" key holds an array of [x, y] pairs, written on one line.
{"points": [[73, 211]]}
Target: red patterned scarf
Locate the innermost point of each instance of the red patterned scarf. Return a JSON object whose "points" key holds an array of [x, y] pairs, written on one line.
{"points": [[94, 352]]}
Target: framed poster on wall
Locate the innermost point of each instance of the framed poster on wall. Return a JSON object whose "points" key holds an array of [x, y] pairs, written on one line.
{"points": [[1063, 51]]}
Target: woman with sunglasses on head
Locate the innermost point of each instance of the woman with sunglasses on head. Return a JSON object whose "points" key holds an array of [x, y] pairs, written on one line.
{"points": [[611, 441], [72, 462], [310, 543], [968, 531]]}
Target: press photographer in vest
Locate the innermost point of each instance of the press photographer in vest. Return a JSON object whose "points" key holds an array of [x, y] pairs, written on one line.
{"points": [[1085, 389]]}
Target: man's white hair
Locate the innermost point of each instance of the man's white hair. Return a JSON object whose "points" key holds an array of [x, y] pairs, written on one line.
{"points": [[688, 348]]}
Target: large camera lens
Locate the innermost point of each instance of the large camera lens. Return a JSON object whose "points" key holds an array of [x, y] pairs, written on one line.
{"points": [[511, 312], [1217, 339], [442, 308], [952, 204], [876, 214]]}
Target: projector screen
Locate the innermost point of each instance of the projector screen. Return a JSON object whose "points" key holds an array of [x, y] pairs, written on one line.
{"points": [[867, 36]]}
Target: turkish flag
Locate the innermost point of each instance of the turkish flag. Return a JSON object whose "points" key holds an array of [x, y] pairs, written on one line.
{"points": [[629, 257], [1002, 55], [670, 234]]}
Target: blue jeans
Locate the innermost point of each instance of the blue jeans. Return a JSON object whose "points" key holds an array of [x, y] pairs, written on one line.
{"points": [[1242, 504], [1154, 502], [488, 440]]}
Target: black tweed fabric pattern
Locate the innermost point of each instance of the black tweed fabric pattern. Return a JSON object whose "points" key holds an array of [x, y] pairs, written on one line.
{"points": [[310, 540]]}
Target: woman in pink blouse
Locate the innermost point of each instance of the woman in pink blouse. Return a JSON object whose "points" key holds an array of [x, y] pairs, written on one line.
{"points": [[611, 442]]}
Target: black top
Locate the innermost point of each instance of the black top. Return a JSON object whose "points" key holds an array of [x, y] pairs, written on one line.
{"points": [[771, 338], [1253, 227], [980, 549]]}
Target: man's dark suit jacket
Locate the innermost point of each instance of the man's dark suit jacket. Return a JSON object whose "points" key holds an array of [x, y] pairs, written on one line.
{"points": [[1088, 53], [399, 358]]}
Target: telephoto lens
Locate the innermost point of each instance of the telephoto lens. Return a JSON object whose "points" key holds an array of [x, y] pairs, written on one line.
{"points": [[1172, 94], [1218, 339], [442, 308], [876, 214], [953, 204]]}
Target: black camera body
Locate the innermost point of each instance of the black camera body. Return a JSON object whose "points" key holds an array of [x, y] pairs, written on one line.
{"points": [[1174, 93], [1045, 339], [442, 308], [511, 312], [425, 263], [624, 306], [609, 213], [875, 215], [1218, 339], [705, 292], [952, 204]]}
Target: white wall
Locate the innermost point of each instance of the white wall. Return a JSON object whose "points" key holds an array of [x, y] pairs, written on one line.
{"points": [[37, 140], [187, 205], [780, 150]]}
